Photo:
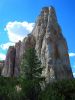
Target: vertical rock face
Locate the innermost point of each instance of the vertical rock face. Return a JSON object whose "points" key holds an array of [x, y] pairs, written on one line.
{"points": [[50, 45], [1, 66], [17, 59], [21, 47], [9, 65]]}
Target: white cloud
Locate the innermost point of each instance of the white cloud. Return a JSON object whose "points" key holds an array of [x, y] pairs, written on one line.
{"points": [[74, 74], [2, 56], [18, 30], [6, 45], [72, 54]]}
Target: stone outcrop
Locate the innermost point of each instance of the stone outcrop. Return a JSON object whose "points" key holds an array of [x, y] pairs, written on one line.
{"points": [[14, 56], [1, 66], [21, 47], [50, 45], [9, 64]]}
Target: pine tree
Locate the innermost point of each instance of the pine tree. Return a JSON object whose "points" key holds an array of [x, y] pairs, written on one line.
{"points": [[31, 72], [31, 65]]}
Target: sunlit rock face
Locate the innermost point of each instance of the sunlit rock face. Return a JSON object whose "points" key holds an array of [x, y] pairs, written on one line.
{"points": [[14, 56], [50, 45], [21, 47]]}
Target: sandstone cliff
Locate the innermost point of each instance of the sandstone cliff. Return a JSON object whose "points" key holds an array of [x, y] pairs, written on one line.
{"points": [[50, 45]]}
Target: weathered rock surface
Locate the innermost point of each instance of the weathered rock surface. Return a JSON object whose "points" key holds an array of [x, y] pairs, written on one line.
{"points": [[20, 47], [1, 66], [9, 65], [50, 45]]}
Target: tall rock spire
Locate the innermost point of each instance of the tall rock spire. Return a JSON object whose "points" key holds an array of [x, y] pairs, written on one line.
{"points": [[51, 47]]}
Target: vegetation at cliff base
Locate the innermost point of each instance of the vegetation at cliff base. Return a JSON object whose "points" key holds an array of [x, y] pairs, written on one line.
{"points": [[60, 90], [13, 89], [27, 85]]}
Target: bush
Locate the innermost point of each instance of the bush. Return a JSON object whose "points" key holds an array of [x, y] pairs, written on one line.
{"points": [[30, 89], [7, 88], [61, 90]]}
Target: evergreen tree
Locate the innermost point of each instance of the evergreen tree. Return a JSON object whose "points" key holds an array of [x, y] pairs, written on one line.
{"points": [[31, 72], [31, 65]]}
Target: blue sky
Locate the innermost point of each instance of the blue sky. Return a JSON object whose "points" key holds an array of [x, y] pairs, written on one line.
{"points": [[17, 17]]}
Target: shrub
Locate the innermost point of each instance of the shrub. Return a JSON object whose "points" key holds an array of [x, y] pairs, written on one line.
{"points": [[61, 90]]}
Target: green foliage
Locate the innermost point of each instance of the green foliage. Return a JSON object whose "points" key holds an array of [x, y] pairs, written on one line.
{"points": [[31, 74], [7, 88], [27, 87], [31, 65], [62, 90], [30, 90]]}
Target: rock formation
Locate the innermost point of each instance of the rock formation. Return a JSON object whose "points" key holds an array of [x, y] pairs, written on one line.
{"points": [[50, 45], [1, 66], [9, 64]]}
